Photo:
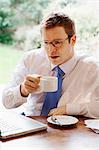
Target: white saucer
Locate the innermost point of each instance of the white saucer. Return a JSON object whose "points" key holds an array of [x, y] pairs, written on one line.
{"points": [[62, 120]]}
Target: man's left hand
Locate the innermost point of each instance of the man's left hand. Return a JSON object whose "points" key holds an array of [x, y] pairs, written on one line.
{"points": [[57, 111]]}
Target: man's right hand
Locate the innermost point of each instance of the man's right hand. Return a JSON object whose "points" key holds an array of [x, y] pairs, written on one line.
{"points": [[30, 84]]}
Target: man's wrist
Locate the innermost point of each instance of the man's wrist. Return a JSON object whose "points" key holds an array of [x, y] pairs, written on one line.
{"points": [[23, 94]]}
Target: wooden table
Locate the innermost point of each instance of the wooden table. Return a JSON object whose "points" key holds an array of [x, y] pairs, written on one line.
{"points": [[55, 138]]}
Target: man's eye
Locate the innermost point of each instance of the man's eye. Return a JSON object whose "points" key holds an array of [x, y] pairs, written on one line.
{"points": [[57, 42], [46, 43]]}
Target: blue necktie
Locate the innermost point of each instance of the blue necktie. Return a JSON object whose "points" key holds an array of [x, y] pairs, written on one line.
{"points": [[52, 98]]}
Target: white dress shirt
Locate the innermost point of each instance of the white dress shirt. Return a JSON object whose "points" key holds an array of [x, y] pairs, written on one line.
{"points": [[80, 88]]}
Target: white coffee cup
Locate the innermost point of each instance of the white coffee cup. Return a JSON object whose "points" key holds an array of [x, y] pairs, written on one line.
{"points": [[48, 84]]}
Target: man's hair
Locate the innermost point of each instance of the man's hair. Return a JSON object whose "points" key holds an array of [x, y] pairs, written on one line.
{"points": [[55, 19]]}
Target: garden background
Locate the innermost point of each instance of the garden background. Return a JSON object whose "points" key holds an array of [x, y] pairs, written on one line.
{"points": [[19, 28]]}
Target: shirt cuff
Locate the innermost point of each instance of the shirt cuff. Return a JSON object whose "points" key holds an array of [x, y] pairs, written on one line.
{"points": [[73, 109]]}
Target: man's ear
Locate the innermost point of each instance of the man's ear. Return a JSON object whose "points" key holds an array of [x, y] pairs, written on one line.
{"points": [[73, 39]]}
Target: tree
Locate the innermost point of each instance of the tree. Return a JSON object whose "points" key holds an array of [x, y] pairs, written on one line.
{"points": [[6, 31]]}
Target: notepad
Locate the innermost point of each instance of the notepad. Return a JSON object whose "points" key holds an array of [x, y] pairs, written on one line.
{"points": [[93, 124]]}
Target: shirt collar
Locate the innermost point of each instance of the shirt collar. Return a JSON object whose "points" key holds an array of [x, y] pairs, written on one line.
{"points": [[67, 66]]}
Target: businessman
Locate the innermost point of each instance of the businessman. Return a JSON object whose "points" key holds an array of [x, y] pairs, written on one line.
{"points": [[78, 74]]}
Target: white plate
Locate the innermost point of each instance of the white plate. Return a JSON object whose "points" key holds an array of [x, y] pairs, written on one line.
{"points": [[62, 120]]}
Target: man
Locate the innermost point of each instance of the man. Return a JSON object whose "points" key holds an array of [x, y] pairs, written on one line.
{"points": [[80, 83]]}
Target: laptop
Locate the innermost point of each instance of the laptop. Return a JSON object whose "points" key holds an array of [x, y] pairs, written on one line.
{"points": [[13, 125]]}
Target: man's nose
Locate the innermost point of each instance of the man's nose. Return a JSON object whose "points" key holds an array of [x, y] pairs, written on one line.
{"points": [[52, 47]]}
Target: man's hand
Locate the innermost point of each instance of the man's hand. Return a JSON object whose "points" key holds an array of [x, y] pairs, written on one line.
{"points": [[57, 111], [30, 84]]}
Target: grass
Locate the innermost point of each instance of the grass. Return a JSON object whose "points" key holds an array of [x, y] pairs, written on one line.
{"points": [[8, 59]]}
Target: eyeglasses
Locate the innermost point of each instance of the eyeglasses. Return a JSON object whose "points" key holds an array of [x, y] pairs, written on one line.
{"points": [[55, 43]]}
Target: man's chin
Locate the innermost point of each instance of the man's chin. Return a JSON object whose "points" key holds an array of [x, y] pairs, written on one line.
{"points": [[54, 61]]}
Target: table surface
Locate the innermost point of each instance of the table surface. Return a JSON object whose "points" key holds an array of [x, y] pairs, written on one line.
{"points": [[76, 137]]}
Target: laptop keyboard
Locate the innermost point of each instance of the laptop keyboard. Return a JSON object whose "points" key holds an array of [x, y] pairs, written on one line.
{"points": [[7, 126]]}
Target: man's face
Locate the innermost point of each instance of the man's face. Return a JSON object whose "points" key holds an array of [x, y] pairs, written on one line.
{"points": [[57, 45]]}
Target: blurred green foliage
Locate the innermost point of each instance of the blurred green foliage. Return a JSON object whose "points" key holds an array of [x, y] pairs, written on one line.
{"points": [[5, 28], [19, 18]]}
